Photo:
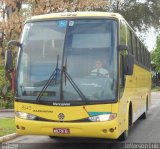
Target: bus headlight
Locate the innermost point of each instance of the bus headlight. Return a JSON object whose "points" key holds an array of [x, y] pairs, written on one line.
{"points": [[26, 116], [103, 117]]}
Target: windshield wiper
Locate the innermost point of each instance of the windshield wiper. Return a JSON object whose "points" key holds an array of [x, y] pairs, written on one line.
{"points": [[80, 93], [53, 78]]}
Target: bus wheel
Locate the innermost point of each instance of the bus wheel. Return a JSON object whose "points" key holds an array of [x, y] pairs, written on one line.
{"points": [[53, 137], [125, 134], [144, 115], [57, 138]]}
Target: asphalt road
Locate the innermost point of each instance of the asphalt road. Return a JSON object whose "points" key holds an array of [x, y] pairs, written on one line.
{"points": [[143, 132]]}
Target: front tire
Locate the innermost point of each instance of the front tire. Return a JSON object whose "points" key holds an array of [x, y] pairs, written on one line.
{"points": [[54, 137], [125, 134], [144, 115]]}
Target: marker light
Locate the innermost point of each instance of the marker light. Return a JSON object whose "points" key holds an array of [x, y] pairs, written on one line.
{"points": [[103, 117]]}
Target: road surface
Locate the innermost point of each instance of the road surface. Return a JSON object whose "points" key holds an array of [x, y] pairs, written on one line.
{"points": [[143, 131]]}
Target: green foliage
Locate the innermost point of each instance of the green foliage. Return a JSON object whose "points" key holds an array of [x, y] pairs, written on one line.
{"points": [[3, 82], [6, 98], [155, 55], [6, 104], [140, 15], [156, 89], [2, 104], [9, 104]]}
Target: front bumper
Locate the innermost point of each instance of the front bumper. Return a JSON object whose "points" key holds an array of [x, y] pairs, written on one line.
{"points": [[80, 129]]}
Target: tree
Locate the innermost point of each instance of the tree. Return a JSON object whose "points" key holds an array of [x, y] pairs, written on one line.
{"points": [[12, 19], [50, 6], [155, 55], [10, 26], [140, 15], [12, 10]]}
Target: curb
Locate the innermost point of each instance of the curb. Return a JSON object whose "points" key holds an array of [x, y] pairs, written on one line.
{"points": [[7, 110], [8, 137]]}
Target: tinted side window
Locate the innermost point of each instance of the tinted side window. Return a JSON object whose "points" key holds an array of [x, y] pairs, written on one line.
{"points": [[135, 48], [129, 41], [123, 33]]}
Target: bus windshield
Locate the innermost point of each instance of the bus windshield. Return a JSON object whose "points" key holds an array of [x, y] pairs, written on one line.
{"points": [[87, 60]]}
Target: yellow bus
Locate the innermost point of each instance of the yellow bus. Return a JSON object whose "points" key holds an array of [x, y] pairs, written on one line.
{"points": [[80, 74]]}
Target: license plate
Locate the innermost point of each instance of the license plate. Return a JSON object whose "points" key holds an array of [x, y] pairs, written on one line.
{"points": [[61, 130]]}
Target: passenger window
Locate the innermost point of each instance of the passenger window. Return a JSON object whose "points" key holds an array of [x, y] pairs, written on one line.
{"points": [[123, 33], [129, 41], [122, 76]]}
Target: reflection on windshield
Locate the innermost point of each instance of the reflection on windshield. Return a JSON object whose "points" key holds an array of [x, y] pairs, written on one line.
{"points": [[89, 46], [52, 79], [41, 43], [93, 87], [74, 85]]}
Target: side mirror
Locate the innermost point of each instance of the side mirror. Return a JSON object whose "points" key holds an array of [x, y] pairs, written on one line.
{"points": [[8, 61], [8, 55], [128, 59], [123, 49], [128, 64]]}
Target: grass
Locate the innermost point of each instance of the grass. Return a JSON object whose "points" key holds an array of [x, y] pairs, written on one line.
{"points": [[156, 88], [7, 126]]}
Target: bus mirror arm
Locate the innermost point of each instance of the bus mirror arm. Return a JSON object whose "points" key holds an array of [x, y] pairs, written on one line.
{"points": [[14, 43]]}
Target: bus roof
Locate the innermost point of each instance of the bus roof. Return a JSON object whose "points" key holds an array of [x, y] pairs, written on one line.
{"points": [[75, 14]]}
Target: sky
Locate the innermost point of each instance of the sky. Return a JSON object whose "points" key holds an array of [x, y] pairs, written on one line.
{"points": [[150, 39]]}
